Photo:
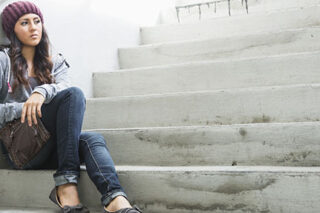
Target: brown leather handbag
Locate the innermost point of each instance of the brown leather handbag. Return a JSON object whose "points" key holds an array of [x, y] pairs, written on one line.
{"points": [[22, 141]]}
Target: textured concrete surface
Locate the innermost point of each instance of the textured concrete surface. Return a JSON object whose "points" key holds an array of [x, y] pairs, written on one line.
{"points": [[282, 69], [252, 45], [35, 210], [231, 26], [276, 144], [28, 210], [229, 106], [250, 147], [184, 189], [31, 188]]}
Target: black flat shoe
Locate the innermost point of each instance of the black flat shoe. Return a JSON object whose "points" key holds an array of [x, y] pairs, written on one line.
{"points": [[80, 208], [134, 209]]}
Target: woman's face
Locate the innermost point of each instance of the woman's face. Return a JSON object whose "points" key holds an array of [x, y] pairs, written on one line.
{"points": [[28, 29]]}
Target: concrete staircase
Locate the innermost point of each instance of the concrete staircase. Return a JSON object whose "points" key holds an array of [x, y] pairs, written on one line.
{"points": [[220, 115]]}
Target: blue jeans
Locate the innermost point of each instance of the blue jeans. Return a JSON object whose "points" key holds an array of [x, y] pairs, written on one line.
{"points": [[68, 147]]}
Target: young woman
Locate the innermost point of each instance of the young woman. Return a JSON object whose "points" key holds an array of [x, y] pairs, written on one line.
{"points": [[35, 84]]}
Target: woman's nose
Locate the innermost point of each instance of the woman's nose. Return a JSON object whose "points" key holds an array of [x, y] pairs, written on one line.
{"points": [[32, 26]]}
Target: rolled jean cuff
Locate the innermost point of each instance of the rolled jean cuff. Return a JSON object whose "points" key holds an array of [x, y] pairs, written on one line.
{"points": [[61, 179], [105, 200]]}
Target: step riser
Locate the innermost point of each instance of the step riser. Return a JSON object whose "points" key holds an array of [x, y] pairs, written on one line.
{"points": [[216, 49], [295, 144], [4, 209], [20, 185], [160, 191], [252, 105], [230, 26], [283, 70], [237, 192]]}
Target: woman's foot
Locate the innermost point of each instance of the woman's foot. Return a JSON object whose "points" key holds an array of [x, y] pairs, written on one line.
{"points": [[68, 194], [69, 200], [118, 203]]}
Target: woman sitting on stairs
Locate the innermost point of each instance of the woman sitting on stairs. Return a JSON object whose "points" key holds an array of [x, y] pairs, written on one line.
{"points": [[37, 86]]}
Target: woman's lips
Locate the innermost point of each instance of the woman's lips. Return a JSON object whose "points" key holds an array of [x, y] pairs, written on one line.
{"points": [[34, 36]]}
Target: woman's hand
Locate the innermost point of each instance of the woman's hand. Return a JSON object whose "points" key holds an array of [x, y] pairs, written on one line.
{"points": [[31, 107]]}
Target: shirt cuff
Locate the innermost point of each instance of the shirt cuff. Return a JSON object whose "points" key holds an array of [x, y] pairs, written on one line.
{"points": [[40, 90], [18, 109]]}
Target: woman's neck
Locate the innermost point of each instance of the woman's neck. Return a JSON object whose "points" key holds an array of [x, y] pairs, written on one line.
{"points": [[28, 53]]}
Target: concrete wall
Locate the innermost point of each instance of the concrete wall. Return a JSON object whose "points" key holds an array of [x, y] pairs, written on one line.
{"points": [[89, 32]]}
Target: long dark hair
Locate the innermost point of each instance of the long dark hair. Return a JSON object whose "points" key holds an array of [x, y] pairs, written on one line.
{"points": [[42, 60]]}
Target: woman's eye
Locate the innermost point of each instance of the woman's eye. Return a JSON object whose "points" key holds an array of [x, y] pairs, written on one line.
{"points": [[24, 23], [37, 21]]}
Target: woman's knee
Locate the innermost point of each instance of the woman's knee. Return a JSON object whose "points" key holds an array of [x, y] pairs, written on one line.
{"points": [[75, 95], [75, 91], [71, 91]]}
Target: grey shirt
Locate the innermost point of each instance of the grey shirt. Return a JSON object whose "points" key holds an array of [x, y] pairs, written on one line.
{"points": [[33, 82], [11, 103]]}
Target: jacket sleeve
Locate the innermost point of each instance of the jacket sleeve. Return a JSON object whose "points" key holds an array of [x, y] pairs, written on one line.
{"points": [[62, 81], [8, 111]]}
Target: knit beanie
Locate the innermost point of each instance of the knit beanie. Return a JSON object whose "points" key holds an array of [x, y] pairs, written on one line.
{"points": [[12, 12]]}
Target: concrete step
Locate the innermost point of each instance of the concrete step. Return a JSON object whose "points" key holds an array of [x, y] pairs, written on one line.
{"points": [[273, 144], [231, 26], [34, 210], [189, 10], [292, 103], [235, 47], [184, 189], [210, 75], [31, 189], [28, 210]]}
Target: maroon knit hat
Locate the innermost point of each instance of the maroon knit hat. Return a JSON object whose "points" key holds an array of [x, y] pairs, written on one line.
{"points": [[12, 12]]}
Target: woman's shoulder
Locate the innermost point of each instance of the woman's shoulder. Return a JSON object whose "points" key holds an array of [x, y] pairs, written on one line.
{"points": [[3, 53], [3, 57], [59, 60]]}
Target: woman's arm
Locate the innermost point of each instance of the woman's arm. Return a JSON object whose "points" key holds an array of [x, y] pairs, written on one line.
{"points": [[62, 81], [46, 92], [8, 111]]}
